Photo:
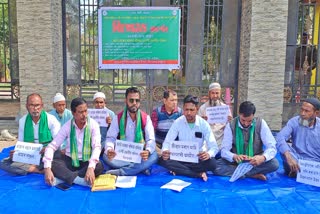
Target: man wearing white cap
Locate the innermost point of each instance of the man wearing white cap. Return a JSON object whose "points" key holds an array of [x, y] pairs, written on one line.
{"points": [[60, 111], [99, 102], [214, 95]]}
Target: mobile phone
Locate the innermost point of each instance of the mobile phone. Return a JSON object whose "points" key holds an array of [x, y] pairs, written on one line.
{"points": [[198, 135], [63, 186]]}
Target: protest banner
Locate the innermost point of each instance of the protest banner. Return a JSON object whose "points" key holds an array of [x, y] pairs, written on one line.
{"points": [[217, 114], [309, 172], [99, 115], [184, 151], [139, 37], [128, 151], [27, 153]]}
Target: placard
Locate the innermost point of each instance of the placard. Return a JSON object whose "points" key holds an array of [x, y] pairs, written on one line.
{"points": [[309, 172], [128, 151], [99, 115], [27, 153], [139, 37], [184, 151], [217, 114]]}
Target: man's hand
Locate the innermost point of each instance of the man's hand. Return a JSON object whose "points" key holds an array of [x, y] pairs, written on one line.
{"points": [[145, 155], [108, 120], [49, 177], [257, 160], [229, 118], [293, 164], [90, 176], [111, 154], [239, 158], [42, 150], [165, 155], [11, 154], [205, 117], [204, 156]]}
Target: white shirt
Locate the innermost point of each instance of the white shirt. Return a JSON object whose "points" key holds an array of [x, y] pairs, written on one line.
{"points": [[181, 128], [266, 136], [113, 132], [53, 125]]}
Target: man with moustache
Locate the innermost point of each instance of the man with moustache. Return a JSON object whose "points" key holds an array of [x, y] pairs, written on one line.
{"points": [[304, 132], [80, 164], [37, 126], [214, 95], [132, 125], [248, 138], [191, 128]]}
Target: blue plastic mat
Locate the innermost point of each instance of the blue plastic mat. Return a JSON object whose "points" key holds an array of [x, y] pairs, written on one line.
{"points": [[30, 194]]}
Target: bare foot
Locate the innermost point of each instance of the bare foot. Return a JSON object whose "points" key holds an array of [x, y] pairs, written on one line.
{"points": [[173, 173], [204, 176], [259, 176]]}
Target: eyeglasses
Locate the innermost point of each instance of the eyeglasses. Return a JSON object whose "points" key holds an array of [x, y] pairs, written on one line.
{"points": [[134, 100], [35, 105]]}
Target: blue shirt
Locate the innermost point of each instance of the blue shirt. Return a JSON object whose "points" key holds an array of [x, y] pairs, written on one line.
{"points": [[181, 128], [305, 140], [67, 115]]}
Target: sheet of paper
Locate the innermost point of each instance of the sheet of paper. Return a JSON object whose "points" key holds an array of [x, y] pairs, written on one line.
{"points": [[99, 115], [309, 172], [241, 170], [128, 151], [27, 153], [176, 185], [126, 181], [184, 151], [217, 114]]}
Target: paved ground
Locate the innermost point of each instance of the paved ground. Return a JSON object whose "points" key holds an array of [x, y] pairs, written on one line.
{"points": [[8, 111]]}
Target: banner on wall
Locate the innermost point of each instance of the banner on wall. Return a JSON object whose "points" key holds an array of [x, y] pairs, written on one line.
{"points": [[139, 37]]}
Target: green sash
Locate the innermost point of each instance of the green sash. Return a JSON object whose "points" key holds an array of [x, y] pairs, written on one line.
{"points": [[240, 139], [122, 126], [86, 145], [44, 132]]}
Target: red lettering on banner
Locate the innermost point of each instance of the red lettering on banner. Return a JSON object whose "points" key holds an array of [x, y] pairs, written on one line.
{"points": [[117, 26]]}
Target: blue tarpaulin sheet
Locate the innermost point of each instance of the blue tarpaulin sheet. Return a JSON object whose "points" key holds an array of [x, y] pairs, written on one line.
{"points": [[279, 194]]}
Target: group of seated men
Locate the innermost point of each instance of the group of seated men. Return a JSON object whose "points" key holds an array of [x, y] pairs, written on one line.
{"points": [[77, 150]]}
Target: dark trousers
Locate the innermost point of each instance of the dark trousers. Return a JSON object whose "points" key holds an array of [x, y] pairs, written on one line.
{"points": [[62, 168], [188, 169]]}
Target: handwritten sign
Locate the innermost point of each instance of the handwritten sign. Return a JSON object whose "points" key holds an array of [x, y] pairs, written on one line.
{"points": [[99, 115], [309, 172], [217, 114], [240, 171], [128, 151], [27, 153], [184, 151]]}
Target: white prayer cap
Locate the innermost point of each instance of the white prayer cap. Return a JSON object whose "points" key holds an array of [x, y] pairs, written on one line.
{"points": [[214, 85], [99, 95], [58, 97]]}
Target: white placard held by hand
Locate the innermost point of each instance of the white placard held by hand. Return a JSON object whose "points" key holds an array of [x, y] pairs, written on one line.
{"points": [[27, 153]]}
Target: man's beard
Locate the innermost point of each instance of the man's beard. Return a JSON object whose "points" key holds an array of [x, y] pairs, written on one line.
{"points": [[213, 103], [132, 109], [304, 122]]}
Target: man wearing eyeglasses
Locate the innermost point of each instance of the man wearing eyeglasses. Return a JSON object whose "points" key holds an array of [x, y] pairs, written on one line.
{"points": [[163, 116], [131, 125], [99, 102], [37, 126], [191, 128]]}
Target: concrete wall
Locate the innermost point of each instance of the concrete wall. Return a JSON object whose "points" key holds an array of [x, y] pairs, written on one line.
{"points": [[40, 49], [262, 57]]}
